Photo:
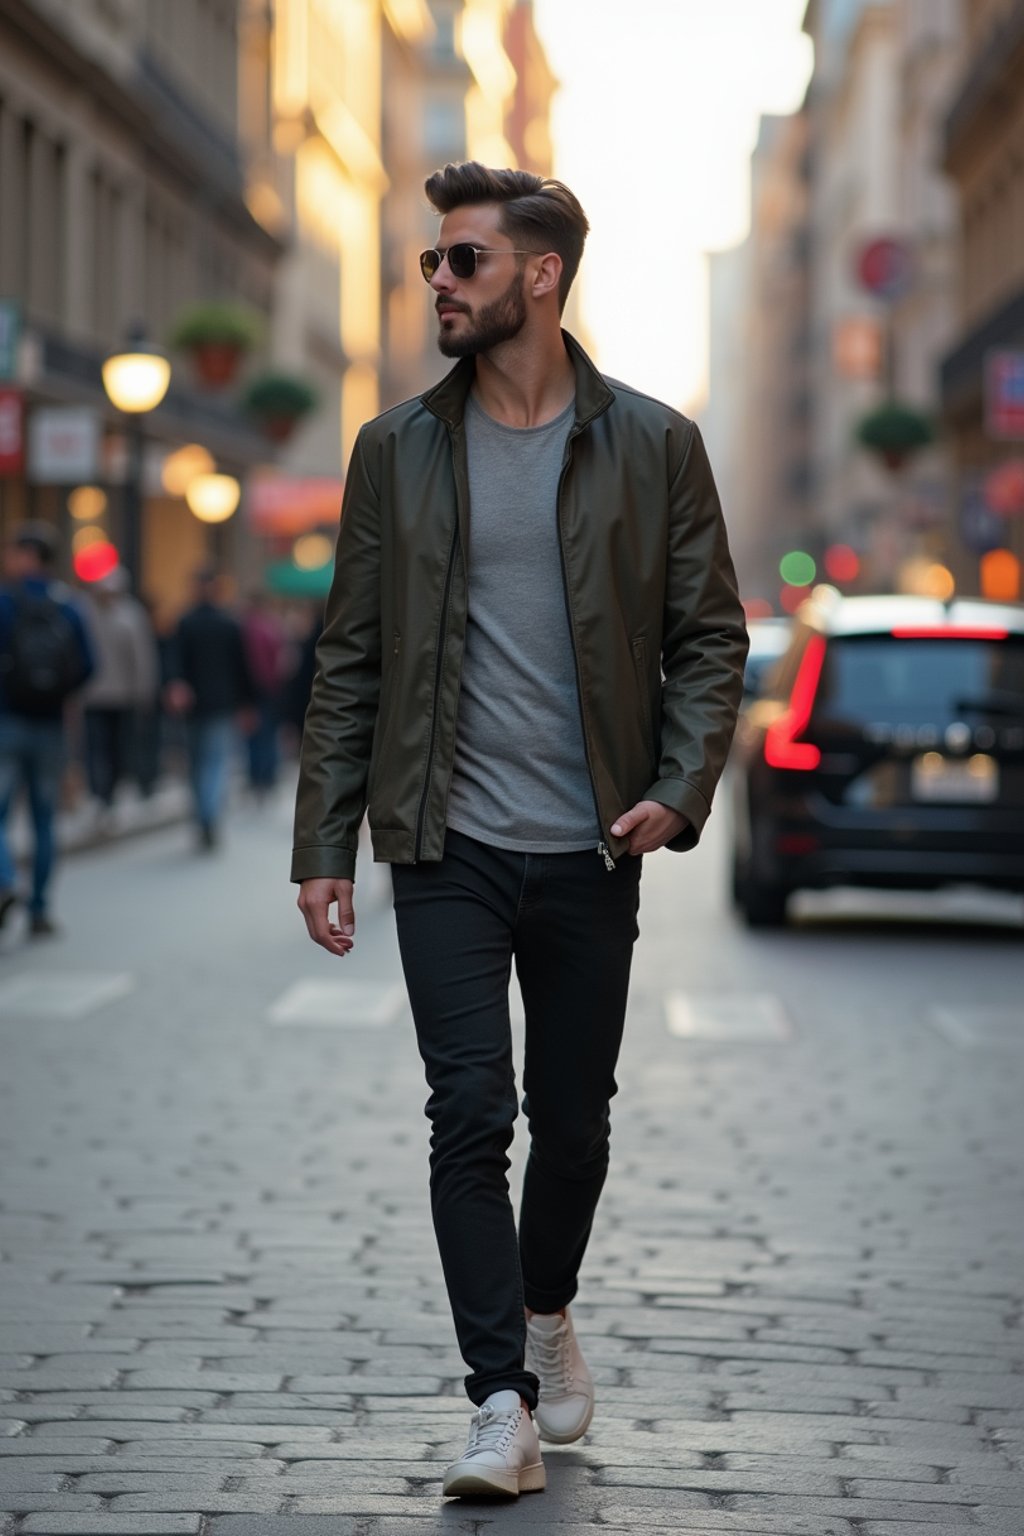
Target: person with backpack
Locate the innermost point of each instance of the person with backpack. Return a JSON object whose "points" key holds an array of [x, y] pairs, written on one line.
{"points": [[45, 657]]}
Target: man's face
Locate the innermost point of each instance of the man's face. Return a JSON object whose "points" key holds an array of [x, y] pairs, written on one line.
{"points": [[479, 312]]}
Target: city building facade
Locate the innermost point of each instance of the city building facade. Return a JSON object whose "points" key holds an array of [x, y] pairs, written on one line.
{"points": [[121, 200], [982, 376], [761, 352]]}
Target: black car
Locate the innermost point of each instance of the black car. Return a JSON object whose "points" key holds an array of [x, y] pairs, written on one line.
{"points": [[887, 749]]}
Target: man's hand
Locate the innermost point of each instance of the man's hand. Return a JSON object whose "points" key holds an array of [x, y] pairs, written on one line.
{"points": [[315, 900], [649, 825]]}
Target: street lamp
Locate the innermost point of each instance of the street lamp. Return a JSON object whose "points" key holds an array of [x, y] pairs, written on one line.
{"points": [[213, 498], [136, 381]]}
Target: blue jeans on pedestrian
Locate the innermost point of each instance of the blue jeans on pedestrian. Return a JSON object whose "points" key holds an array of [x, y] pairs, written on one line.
{"points": [[31, 758], [262, 744], [569, 924], [211, 739]]}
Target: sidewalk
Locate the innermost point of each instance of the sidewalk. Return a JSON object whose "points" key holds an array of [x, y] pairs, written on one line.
{"points": [[86, 825]]}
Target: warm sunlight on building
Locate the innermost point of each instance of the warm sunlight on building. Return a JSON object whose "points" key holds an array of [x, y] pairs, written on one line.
{"points": [[322, 178], [481, 42]]}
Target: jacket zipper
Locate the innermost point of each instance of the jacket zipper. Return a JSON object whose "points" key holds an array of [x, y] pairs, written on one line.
{"points": [[603, 851], [438, 672]]}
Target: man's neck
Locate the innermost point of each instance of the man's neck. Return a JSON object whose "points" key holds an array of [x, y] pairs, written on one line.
{"points": [[524, 385]]}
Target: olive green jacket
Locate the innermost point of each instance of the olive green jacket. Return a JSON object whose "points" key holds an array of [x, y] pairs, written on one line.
{"points": [[657, 628]]}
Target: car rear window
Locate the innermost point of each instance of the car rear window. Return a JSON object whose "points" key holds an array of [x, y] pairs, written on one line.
{"points": [[885, 679]]}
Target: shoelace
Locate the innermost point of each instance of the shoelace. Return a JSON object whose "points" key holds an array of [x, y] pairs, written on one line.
{"points": [[553, 1355], [491, 1431]]}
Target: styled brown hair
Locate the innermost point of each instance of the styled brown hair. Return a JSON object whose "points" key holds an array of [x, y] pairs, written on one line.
{"points": [[536, 211]]}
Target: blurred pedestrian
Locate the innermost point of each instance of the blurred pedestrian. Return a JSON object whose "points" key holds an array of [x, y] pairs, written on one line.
{"points": [[299, 683], [212, 688], [266, 651], [122, 687], [45, 657], [530, 668]]}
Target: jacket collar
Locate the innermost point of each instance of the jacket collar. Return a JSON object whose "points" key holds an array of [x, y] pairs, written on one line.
{"points": [[447, 399]]}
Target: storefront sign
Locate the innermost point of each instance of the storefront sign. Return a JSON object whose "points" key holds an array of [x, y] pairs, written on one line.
{"points": [[12, 433], [63, 444], [281, 505], [981, 528], [1004, 394], [885, 268]]}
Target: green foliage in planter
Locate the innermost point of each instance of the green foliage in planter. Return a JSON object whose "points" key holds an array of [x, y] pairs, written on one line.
{"points": [[279, 394], [895, 428], [220, 324]]}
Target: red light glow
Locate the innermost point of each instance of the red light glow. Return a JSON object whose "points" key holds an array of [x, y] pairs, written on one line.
{"points": [[757, 608], [95, 561], [781, 748], [842, 563], [790, 598], [948, 632]]}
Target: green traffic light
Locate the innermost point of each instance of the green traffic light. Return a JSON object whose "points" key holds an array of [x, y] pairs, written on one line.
{"points": [[797, 568]]}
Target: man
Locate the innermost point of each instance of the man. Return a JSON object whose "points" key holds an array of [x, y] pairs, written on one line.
{"points": [[212, 687], [45, 656], [522, 551]]}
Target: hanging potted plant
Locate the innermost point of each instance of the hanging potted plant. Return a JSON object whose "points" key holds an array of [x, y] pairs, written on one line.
{"points": [[278, 402], [894, 431], [217, 335]]}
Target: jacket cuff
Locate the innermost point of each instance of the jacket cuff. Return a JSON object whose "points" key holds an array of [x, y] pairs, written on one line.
{"points": [[323, 863], [681, 796]]}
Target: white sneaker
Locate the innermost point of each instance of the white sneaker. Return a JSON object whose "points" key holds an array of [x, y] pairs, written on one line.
{"points": [[566, 1404], [502, 1455]]}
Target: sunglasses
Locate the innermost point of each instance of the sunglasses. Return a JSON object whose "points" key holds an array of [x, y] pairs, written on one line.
{"points": [[461, 259]]}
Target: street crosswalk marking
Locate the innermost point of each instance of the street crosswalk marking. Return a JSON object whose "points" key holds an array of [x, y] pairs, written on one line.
{"points": [[729, 1017], [970, 1027], [339, 1004], [71, 995]]}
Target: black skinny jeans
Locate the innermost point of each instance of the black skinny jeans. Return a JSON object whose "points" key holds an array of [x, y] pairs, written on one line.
{"points": [[569, 924]]}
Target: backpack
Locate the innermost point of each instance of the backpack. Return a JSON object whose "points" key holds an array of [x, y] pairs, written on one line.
{"points": [[43, 662]]}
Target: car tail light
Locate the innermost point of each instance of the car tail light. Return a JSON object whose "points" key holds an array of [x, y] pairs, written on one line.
{"points": [[796, 843], [948, 632], [782, 749]]}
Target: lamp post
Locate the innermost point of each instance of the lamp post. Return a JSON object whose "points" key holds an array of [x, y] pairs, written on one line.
{"points": [[136, 381], [213, 499]]}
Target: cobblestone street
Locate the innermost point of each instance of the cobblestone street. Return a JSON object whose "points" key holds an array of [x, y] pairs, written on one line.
{"points": [[221, 1311]]}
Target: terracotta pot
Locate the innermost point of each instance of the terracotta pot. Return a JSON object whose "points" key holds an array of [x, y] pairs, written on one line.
{"points": [[216, 362], [278, 428]]}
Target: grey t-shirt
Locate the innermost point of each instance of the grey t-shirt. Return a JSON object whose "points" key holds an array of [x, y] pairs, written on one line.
{"points": [[520, 778]]}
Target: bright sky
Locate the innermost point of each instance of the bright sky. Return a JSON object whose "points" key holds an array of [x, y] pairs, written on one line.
{"points": [[653, 130]]}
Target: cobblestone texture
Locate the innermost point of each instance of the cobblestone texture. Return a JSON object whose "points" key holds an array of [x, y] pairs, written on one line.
{"points": [[221, 1311]]}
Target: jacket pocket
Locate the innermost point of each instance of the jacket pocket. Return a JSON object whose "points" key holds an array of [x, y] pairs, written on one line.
{"points": [[640, 672], [389, 690]]}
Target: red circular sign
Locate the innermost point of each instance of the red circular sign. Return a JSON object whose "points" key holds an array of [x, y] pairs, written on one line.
{"points": [[884, 267]]}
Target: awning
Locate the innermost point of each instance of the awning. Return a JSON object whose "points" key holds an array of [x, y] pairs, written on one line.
{"points": [[289, 580]]}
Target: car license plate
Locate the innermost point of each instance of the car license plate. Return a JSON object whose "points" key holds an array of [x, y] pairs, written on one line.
{"points": [[962, 781]]}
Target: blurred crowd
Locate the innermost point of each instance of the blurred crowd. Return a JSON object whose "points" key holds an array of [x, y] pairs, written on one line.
{"points": [[100, 700]]}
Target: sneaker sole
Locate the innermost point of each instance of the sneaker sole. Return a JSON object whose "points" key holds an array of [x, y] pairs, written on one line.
{"points": [[562, 1438], [467, 1481]]}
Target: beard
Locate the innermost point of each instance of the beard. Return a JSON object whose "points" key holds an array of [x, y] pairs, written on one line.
{"points": [[499, 321]]}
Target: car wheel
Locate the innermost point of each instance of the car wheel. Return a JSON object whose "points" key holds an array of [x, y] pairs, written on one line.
{"points": [[763, 905], [737, 881]]}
